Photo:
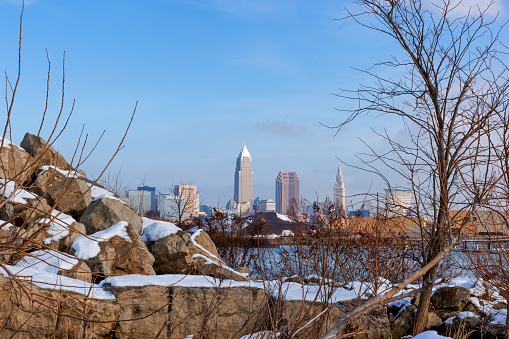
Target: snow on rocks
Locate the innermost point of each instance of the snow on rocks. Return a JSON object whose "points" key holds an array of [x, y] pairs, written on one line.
{"points": [[49, 261], [153, 230], [430, 335], [69, 174], [118, 250], [104, 212], [9, 189], [43, 276], [283, 217], [86, 247], [59, 225]]}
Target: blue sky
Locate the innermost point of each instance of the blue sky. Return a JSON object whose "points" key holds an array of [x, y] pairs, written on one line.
{"points": [[209, 76]]}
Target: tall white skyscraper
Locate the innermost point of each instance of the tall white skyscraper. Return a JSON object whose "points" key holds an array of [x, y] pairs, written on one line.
{"points": [[243, 191], [339, 190]]}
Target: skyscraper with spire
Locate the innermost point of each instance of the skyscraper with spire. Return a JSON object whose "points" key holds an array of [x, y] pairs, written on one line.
{"points": [[339, 190], [243, 191]]}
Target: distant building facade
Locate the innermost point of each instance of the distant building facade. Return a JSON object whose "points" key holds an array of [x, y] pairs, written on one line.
{"points": [[243, 189], [267, 205], [168, 205], [397, 202], [287, 189], [366, 210], [191, 198], [339, 191], [143, 199]]}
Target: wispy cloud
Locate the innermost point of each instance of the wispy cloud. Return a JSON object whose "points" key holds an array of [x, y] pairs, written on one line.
{"points": [[282, 128]]}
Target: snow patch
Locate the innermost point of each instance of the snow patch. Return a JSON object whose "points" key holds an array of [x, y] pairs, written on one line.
{"points": [[465, 315], [430, 335], [193, 241], [87, 246], [99, 193], [18, 195], [59, 224], [283, 217], [211, 262], [49, 261], [154, 230], [69, 174], [262, 335], [44, 279]]}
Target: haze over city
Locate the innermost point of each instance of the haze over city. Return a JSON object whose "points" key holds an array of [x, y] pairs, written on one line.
{"points": [[209, 76]]}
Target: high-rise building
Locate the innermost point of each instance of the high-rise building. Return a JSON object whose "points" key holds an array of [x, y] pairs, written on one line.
{"points": [[287, 189], [397, 202], [169, 205], [152, 191], [339, 190], [243, 191], [143, 199], [191, 198]]}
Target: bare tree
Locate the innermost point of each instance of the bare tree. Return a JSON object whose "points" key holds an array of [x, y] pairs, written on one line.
{"points": [[447, 85]]}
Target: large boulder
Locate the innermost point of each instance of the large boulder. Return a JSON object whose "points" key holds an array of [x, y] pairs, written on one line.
{"points": [[207, 260], [118, 250], [106, 211], [468, 320], [373, 325], [403, 323], [171, 254], [66, 192], [453, 298], [217, 312], [22, 316], [180, 312], [433, 320], [15, 163], [43, 152]]}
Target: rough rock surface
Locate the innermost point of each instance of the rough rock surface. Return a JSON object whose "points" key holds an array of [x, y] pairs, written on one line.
{"points": [[25, 215], [44, 153], [374, 325], [207, 260], [16, 164], [119, 256], [403, 323], [70, 195], [171, 254], [80, 271], [211, 312], [104, 212], [433, 320], [30, 320], [450, 298], [470, 323]]}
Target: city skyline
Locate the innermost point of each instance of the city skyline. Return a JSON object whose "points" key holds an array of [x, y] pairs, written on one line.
{"points": [[222, 74]]}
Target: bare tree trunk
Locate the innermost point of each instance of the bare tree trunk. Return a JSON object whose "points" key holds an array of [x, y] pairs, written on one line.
{"points": [[421, 317], [507, 322]]}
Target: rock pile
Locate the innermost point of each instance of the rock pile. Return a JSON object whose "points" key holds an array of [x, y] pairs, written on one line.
{"points": [[453, 308], [55, 206]]}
